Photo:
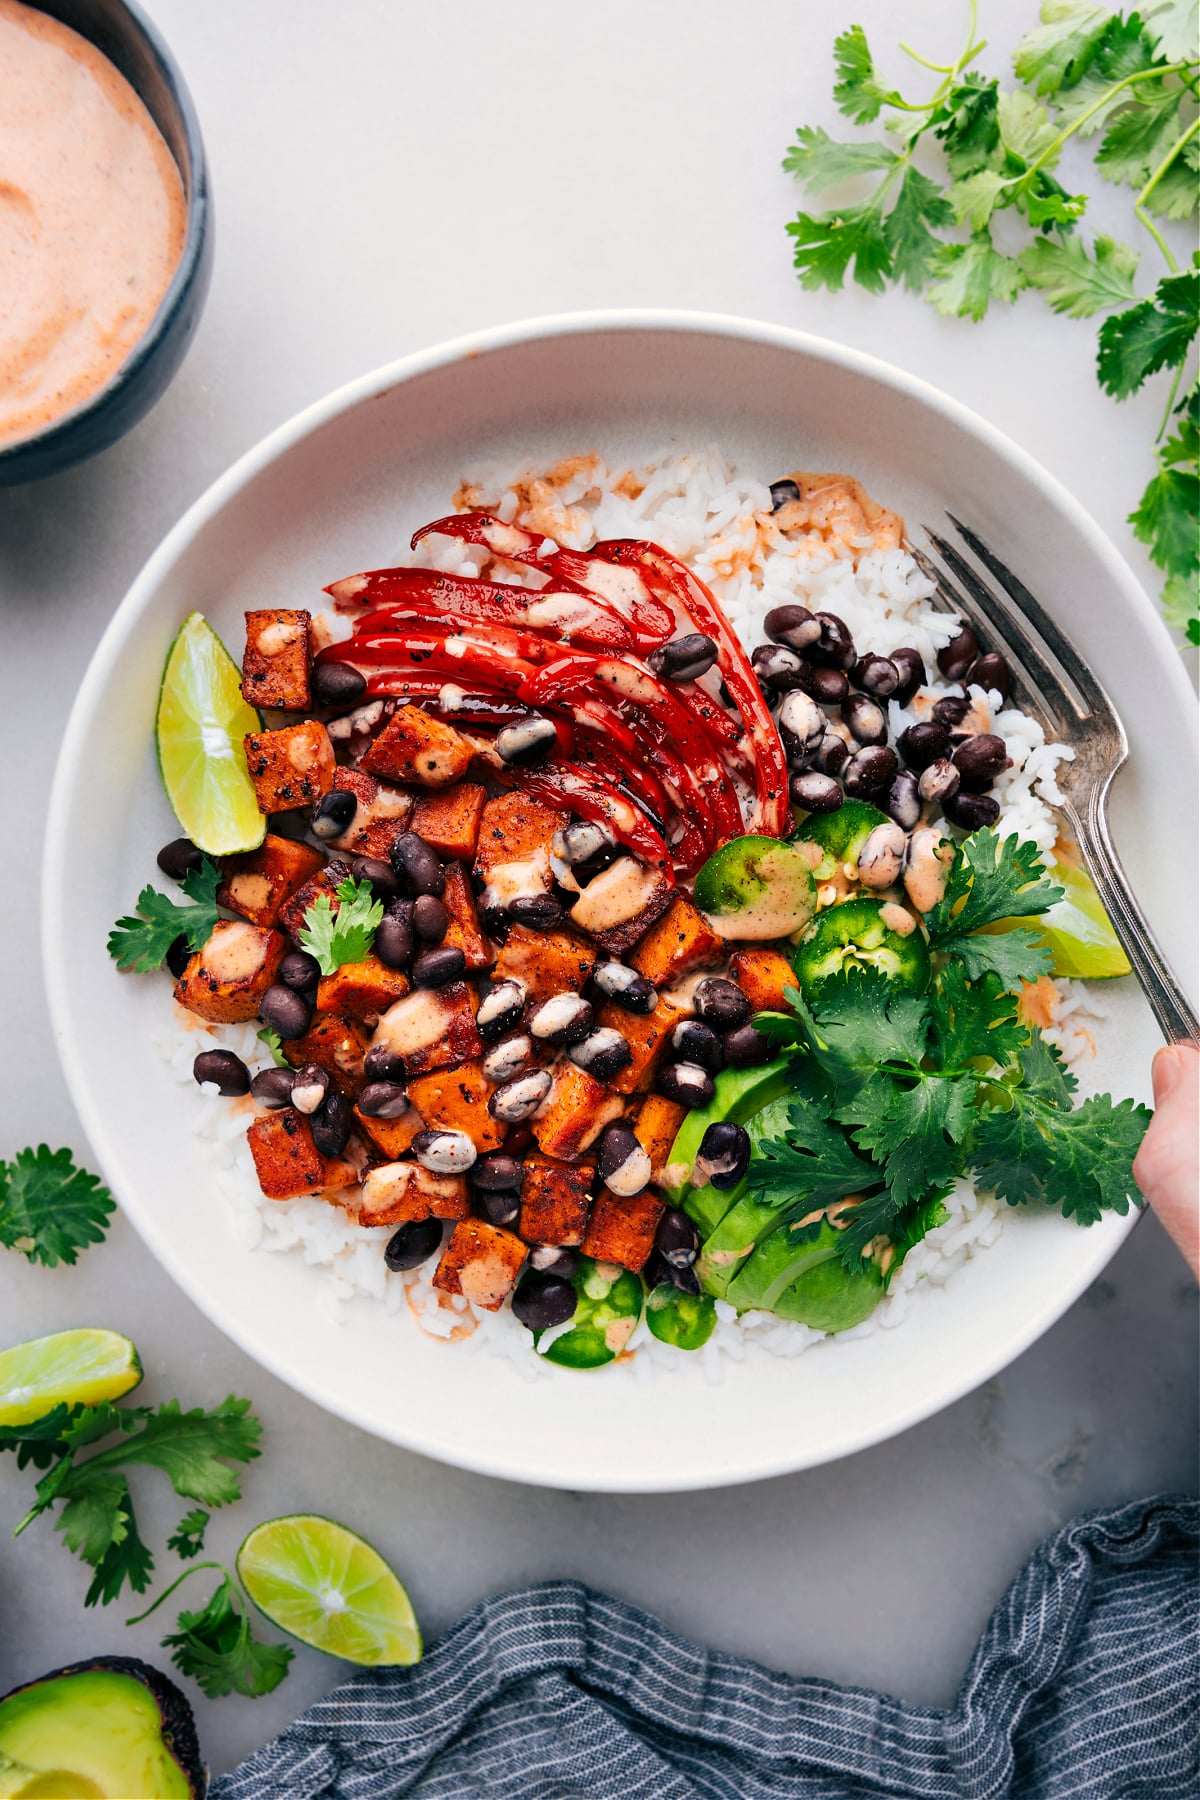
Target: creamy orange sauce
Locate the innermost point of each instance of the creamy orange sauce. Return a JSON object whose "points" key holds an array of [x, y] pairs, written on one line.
{"points": [[92, 220]]}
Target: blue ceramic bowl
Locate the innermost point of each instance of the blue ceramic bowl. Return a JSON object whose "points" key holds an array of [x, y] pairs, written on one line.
{"points": [[130, 42]]}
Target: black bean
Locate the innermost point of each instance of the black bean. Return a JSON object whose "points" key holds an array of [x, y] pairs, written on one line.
{"points": [[543, 1301], [631, 991], [877, 675], [563, 1019], [602, 1054], [720, 1003], [584, 872], [794, 626], [777, 667], [623, 1164], [723, 1156], [500, 1009], [923, 744], [309, 1088], [911, 668], [497, 1173], [980, 759], [337, 684], [865, 718], [394, 937], [227, 1070], [829, 686], [528, 741], [273, 1087], [685, 1279], [971, 811], [903, 803], [383, 1100], [951, 710], [382, 1064], [537, 912], [801, 727], [676, 1239], [958, 655], [832, 754], [581, 841], [694, 1041], [331, 1124], [444, 1152], [744, 1047], [686, 1083], [835, 646], [300, 971], [991, 671], [413, 1244], [378, 875], [554, 1259], [285, 1011], [334, 813], [685, 658], [179, 858], [870, 770], [430, 919], [520, 1098], [938, 781], [507, 1058], [438, 968], [781, 493], [501, 1208], [815, 792], [418, 864], [179, 955]]}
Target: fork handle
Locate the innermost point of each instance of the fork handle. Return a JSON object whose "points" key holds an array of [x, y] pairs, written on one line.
{"points": [[1167, 999]]}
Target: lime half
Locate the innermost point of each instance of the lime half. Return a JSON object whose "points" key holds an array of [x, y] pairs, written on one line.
{"points": [[326, 1586], [78, 1368], [202, 720]]}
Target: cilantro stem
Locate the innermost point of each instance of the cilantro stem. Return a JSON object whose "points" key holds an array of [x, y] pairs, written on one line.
{"points": [[938, 68], [167, 1592], [1139, 205], [1167, 410], [1068, 131]]}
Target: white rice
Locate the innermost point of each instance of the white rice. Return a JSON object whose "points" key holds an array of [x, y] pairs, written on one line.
{"points": [[701, 508]]}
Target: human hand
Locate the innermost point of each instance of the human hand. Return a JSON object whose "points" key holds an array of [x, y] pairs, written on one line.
{"points": [[1167, 1167]]}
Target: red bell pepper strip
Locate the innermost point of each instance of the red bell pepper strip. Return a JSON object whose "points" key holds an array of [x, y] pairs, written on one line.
{"points": [[451, 656], [463, 600], [580, 791], [510, 541]]}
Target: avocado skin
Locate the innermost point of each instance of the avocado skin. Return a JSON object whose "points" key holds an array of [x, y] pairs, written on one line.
{"points": [[178, 1723]]}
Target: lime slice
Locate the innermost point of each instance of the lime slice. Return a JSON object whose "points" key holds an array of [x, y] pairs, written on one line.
{"points": [[325, 1585], [202, 720], [72, 1367]]}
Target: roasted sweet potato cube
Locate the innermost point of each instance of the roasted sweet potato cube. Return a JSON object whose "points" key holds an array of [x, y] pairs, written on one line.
{"points": [[326, 881], [548, 962], [397, 1193], [393, 1137], [762, 976], [555, 1198], [656, 1129], [621, 1230], [449, 820], [676, 944], [575, 1114], [464, 931], [645, 1033], [275, 666], [361, 990], [431, 1028], [290, 767], [333, 1044], [456, 1100], [286, 1160], [619, 905], [257, 884], [481, 1261], [413, 746], [382, 813], [512, 855], [228, 976]]}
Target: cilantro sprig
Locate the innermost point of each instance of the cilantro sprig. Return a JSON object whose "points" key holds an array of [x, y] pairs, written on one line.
{"points": [[49, 1209], [140, 941], [1128, 80], [216, 1646], [345, 933]]}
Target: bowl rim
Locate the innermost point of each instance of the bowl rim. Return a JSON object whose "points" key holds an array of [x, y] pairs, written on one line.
{"points": [[197, 225], [55, 863]]}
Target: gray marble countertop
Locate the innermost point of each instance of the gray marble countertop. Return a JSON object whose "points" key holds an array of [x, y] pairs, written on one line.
{"points": [[386, 176]]}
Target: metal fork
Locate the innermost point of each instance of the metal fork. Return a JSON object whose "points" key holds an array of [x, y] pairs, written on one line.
{"points": [[1052, 681]]}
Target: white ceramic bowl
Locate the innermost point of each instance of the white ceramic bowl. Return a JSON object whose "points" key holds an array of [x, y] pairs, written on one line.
{"points": [[340, 488]]}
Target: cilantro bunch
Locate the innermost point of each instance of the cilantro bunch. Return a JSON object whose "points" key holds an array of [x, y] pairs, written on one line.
{"points": [[1131, 81]]}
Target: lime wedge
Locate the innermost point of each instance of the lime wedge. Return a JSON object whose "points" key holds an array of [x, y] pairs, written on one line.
{"points": [[72, 1367], [325, 1585], [1077, 930], [202, 720]]}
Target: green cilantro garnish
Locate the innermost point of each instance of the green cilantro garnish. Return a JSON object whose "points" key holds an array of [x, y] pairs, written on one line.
{"points": [[49, 1209], [344, 935], [140, 941], [992, 879], [1127, 80], [187, 1539], [216, 1645], [274, 1043]]}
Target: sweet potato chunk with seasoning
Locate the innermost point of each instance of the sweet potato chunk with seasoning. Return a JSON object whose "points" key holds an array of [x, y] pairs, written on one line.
{"points": [[399, 1192], [413, 746], [290, 767], [431, 1028], [456, 1100], [275, 666], [481, 1261], [361, 990], [619, 905], [676, 944], [335, 1045], [465, 932], [449, 820], [548, 962], [228, 976], [622, 1230], [554, 1201], [382, 813], [257, 884], [656, 1128], [645, 1033], [286, 1160], [327, 881], [575, 1114], [393, 1137], [762, 976]]}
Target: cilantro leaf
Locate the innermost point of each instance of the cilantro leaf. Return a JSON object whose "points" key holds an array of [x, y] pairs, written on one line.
{"points": [[1154, 334], [345, 933], [857, 91], [1181, 605], [827, 243], [969, 276], [1123, 49], [217, 1648], [1056, 53], [974, 199], [41, 1441], [1014, 956], [1172, 27], [49, 1209], [813, 1165], [140, 941], [860, 1024], [187, 1539], [1140, 134], [973, 1017], [126, 1560], [274, 1043], [914, 1131], [1176, 193], [1074, 282], [820, 162], [1026, 128], [192, 1448], [920, 209], [1167, 520], [990, 879], [966, 123]]}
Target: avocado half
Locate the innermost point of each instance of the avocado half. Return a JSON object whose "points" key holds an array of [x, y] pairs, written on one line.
{"points": [[112, 1728]]}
